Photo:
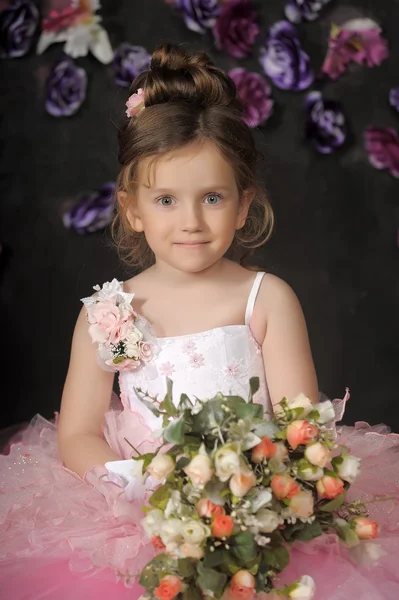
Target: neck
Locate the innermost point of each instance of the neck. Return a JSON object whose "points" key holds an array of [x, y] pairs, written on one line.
{"points": [[166, 273]]}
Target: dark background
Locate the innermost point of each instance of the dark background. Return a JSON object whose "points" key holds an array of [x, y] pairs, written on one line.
{"points": [[337, 217]]}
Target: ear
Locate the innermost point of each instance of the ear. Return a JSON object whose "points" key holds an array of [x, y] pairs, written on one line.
{"points": [[128, 205], [246, 200]]}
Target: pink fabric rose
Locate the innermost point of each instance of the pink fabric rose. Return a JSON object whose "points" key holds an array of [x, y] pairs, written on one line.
{"points": [[382, 146], [105, 322], [146, 351], [128, 364]]}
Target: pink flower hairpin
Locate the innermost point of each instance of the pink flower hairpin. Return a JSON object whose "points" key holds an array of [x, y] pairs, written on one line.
{"points": [[134, 102]]}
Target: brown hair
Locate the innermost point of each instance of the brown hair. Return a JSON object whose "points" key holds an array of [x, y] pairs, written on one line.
{"points": [[187, 99]]}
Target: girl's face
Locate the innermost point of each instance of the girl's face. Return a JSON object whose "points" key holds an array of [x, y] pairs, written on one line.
{"points": [[189, 209]]}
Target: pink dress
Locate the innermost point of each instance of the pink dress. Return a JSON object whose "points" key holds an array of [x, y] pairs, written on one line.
{"points": [[62, 537]]}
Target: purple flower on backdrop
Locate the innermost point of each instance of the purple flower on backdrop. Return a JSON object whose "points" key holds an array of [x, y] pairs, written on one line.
{"points": [[65, 88], [130, 61], [236, 28], [255, 95], [283, 59], [199, 15], [394, 98], [18, 25], [382, 146], [93, 212], [325, 123], [297, 11]]}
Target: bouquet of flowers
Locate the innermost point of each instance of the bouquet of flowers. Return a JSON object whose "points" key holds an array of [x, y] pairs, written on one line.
{"points": [[235, 491]]}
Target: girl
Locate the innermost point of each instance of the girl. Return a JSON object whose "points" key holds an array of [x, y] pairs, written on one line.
{"points": [[188, 195]]}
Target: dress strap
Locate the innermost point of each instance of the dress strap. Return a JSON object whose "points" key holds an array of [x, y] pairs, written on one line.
{"points": [[252, 296]]}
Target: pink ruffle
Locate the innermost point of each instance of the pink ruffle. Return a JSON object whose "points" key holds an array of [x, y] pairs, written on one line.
{"points": [[61, 538]]}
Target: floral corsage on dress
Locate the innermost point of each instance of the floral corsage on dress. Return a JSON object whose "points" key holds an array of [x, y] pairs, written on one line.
{"points": [[123, 337]]}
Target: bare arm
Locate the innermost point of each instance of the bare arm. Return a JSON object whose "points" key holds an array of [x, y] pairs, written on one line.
{"points": [[286, 350], [85, 400]]}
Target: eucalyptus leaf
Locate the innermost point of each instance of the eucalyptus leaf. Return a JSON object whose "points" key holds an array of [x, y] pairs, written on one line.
{"points": [[216, 558], [277, 557], [174, 432], [302, 531], [150, 405], [186, 567], [333, 504], [211, 416], [182, 462], [214, 491], [266, 429]]}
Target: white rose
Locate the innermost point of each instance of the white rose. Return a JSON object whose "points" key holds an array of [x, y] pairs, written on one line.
{"points": [[301, 401], [171, 531], [173, 505], [194, 532], [302, 505], [326, 411], [161, 466], [227, 461], [152, 522], [268, 520], [309, 472], [134, 337], [261, 498], [191, 551], [305, 589], [348, 470], [317, 454], [199, 469]]}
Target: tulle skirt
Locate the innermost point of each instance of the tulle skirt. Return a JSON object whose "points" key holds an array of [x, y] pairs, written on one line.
{"points": [[64, 538]]}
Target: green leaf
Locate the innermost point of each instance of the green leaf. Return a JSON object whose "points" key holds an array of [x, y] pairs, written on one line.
{"points": [[153, 571], [182, 462], [302, 531], [192, 593], [216, 558], [186, 567], [184, 402], [150, 405], [277, 557], [174, 432], [253, 387], [249, 411], [160, 497], [244, 546], [209, 579], [333, 504], [168, 406], [147, 458], [212, 415]]}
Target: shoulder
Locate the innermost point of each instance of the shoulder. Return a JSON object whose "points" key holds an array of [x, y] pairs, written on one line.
{"points": [[274, 292]]}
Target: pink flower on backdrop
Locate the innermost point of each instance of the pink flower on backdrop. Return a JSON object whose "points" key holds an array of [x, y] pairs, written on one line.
{"points": [[358, 40], [196, 360], [167, 369], [255, 95], [382, 146], [236, 28]]}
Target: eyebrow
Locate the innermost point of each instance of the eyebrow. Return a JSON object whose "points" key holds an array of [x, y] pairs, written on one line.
{"points": [[208, 188]]}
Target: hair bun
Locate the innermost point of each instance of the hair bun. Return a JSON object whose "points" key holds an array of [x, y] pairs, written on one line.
{"points": [[179, 75]]}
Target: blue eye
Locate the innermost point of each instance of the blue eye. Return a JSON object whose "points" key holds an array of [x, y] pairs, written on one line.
{"points": [[213, 199], [165, 201]]}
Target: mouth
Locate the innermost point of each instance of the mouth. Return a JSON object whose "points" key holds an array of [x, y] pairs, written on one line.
{"points": [[190, 244]]}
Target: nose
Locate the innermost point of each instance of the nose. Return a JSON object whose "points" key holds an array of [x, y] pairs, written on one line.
{"points": [[191, 218]]}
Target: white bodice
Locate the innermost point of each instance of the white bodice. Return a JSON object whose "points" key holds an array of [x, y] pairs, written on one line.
{"points": [[200, 365]]}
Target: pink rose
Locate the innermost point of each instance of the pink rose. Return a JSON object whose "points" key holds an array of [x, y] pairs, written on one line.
{"points": [[300, 432], [301, 505], [366, 529], [146, 351], [128, 364], [107, 324], [330, 487], [242, 585]]}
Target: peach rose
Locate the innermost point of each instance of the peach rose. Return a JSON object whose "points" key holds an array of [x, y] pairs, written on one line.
{"points": [[242, 586], [317, 454], [169, 587], [302, 504], [284, 486], [265, 449], [300, 432], [191, 551], [366, 529], [107, 324], [199, 469], [330, 487], [222, 526], [241, 483], [208, 510], [281, 452], [157, 542]]}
